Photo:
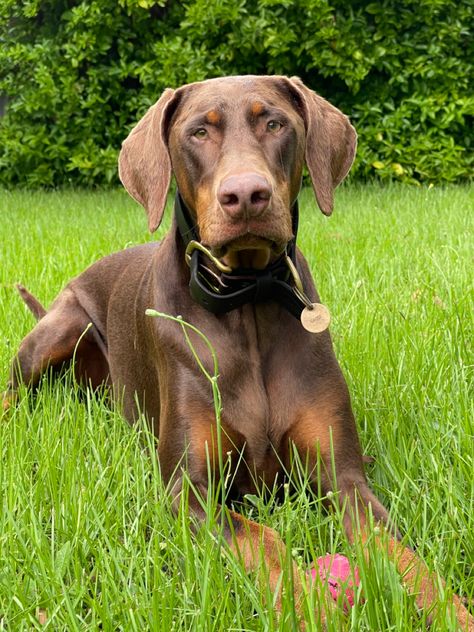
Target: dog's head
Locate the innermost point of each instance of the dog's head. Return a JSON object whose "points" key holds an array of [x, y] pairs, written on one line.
{"points": [[237, 146]]}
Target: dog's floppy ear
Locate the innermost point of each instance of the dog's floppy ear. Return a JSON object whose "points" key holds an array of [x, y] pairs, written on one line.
{"points": [[144, 162], [331, 143]]}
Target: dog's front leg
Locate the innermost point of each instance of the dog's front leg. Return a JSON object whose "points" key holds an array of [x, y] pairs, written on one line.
{"points": [[325, 438], [258, 548], [357, 497]]}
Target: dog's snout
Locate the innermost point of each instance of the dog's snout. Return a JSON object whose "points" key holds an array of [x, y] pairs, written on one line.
{"points": [[245, 195]]}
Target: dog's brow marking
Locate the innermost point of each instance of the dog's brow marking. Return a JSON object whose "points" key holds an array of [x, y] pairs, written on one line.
{"points": [[213, 117], [257, 108]]}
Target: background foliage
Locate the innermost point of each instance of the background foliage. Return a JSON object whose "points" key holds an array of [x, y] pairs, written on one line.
{"points": [[79, 75]]}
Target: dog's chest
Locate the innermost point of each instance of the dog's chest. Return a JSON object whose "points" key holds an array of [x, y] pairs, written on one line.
{"points": [[258, 410], [263, 379]]}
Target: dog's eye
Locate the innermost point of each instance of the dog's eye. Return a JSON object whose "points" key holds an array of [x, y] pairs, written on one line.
{"points": [[274, 126], [200, 133]]}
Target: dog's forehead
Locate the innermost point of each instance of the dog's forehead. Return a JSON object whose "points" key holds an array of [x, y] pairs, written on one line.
{"points": [[234, 94]]}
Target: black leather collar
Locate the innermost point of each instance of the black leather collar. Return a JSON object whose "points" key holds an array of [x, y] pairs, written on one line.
{"points": [[222, 292]]}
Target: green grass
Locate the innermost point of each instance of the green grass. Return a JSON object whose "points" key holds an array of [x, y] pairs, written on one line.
{"points": [[87, 537]]}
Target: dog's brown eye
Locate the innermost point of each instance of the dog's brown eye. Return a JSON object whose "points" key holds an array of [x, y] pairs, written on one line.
{"points": [[274, 126], [200, 133]]}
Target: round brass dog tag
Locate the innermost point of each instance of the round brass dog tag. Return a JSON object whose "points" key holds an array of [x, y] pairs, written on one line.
{"points": [[317, 319]]}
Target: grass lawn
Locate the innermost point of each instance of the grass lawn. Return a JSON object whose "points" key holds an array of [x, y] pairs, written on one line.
{"points": [[87, 538]]}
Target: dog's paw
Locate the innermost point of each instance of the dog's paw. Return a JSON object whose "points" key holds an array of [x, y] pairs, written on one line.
{"points": [[465, 618], [9, 400]]}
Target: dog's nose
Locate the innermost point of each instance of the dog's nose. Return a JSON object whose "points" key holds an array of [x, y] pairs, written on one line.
{"points": [[246, 195]]}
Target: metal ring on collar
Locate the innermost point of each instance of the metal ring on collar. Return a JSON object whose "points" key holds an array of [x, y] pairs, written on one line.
{"points": [[298, 289]]}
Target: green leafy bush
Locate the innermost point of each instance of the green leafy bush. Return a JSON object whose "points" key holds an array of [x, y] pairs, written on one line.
{"points": [[79, 74]]}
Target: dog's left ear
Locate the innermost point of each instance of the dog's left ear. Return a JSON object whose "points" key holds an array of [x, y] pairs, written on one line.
{"points": [[144, 162], [331, 143]]}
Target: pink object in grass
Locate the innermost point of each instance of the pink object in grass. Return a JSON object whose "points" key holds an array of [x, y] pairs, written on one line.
{"points": [[335, 571]]}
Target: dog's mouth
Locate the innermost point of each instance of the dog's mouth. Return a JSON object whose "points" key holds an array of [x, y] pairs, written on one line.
{"points": [[249, 251]]}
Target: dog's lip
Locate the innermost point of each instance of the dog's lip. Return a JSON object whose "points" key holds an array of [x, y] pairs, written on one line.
{"points": [[245, 243], [248, 251]]}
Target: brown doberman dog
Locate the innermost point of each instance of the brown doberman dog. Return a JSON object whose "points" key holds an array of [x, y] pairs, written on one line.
{"points": [[229, 266]]}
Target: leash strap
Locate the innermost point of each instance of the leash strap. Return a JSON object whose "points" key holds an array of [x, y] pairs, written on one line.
{"points": [[241, 286]]}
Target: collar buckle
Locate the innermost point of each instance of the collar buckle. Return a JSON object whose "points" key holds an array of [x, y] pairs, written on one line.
{"points": [[196, 245]]}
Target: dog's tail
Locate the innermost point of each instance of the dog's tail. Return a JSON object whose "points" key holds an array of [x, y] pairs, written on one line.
{"points": [[32, 303]]}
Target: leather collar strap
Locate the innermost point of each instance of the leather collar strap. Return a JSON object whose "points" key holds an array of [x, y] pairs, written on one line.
{"points": [[224, 292]]}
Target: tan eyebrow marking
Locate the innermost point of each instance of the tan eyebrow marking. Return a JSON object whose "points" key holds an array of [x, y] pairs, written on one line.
{"points": [[257, 108], [213, 117]]}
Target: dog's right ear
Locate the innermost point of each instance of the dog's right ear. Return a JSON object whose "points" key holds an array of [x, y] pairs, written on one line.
{"points": [[144, 162], [331, 143]]}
